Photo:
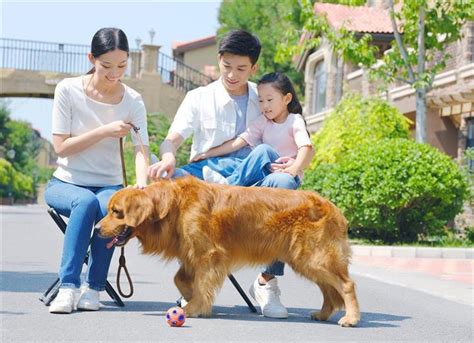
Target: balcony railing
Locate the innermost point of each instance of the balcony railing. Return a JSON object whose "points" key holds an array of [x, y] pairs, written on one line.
{"points": [[72, 59]]}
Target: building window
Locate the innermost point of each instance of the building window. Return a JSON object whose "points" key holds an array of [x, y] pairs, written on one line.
{"points": [[470, 141], [319, 88]]}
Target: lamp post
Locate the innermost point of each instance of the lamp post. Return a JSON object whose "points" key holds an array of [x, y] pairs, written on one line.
{"points": [[152, 33], [11, 156], [138, 41]]}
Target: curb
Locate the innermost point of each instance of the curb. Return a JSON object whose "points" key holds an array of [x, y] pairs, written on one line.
{"points": [[413, 252]]}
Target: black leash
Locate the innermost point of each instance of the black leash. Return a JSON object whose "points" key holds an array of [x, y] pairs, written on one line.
{"points": [[122, 262]]}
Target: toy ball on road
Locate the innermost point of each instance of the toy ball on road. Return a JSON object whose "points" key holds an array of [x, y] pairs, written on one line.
{"points": [[175, 316]]}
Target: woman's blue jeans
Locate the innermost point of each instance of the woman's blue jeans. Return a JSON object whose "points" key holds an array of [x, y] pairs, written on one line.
{"points": [[253, 170], [84, 206]]}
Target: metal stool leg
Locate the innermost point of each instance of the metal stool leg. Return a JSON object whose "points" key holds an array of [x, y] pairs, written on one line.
{"points": [[242, 293], [111, 292], [50, 293]]}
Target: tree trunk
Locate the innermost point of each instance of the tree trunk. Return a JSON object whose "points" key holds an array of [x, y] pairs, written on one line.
{"points": [[421, 115]]}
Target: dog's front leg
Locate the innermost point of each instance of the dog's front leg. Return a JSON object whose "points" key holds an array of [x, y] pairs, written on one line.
{"points": [[184, 280], [207, 281]]}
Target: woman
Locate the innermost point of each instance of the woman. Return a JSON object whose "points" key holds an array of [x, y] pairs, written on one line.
{"points": [[90, 114]]}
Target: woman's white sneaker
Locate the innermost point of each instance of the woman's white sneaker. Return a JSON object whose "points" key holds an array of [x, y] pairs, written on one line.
{"points": [[89, 300], [65, 301]]}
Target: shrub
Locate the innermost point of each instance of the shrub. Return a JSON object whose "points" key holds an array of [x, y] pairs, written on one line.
{"points": [[356, 121], [22, 185], [394, 190]]}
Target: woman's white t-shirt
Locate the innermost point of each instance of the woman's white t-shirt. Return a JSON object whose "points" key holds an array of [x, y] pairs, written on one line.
{"points": [[75, 113]]}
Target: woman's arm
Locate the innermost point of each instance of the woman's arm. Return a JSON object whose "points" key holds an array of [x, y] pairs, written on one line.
{"points": [[141, 165], [303, 159], [223, 149], [65, 145]]}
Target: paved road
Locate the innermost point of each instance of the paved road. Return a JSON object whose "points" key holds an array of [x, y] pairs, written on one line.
{"points": [[399, 301]]}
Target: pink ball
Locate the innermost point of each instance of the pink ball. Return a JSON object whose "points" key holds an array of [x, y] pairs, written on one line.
{"points": [[175, 316]]}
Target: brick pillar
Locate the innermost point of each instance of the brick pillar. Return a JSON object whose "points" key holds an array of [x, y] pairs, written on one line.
{"points": [[135, 57], [149, 61]]}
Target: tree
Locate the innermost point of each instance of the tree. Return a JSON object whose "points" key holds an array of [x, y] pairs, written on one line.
{"points": [[269, 20], [422, 31]]}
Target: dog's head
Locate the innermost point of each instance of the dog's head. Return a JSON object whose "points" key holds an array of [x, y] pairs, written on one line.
{"points": [[128, 209]]}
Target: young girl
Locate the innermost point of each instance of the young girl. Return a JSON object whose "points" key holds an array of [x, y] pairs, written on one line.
{"points": [[278, 136], [90, 114]]}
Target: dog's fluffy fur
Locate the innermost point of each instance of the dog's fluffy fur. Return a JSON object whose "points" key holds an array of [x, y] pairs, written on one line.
{"points": [[213, 229]]}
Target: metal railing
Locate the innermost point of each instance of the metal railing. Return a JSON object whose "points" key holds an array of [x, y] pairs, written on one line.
{"points": [[72, 59], [180, 75], [44, 56]]}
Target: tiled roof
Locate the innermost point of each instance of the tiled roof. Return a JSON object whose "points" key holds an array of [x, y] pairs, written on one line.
{"points": [[179, 47], [358, 18]]}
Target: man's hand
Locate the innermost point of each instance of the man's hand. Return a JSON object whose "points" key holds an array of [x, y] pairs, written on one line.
{"points": [[281, 164], [163, 169]]}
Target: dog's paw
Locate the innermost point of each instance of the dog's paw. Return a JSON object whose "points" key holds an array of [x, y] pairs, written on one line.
{"points": [[348, 321], [317, 315], [193, 312]]}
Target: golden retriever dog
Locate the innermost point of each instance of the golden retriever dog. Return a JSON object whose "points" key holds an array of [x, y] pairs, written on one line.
{"points": [[214, 229]]}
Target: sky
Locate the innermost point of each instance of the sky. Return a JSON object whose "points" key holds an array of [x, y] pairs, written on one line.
{"points": [[75, 22]]}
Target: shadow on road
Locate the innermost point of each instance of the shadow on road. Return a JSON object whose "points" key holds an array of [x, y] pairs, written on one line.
{"points": [[242, 313], [25, 281]]}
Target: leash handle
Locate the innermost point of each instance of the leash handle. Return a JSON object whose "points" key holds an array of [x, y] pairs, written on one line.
{"points": [[122, 265]]}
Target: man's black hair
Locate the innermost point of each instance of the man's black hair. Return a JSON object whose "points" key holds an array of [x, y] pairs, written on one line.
{"points": [[242, 43]]}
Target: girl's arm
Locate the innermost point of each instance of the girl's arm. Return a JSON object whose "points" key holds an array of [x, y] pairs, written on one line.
{"points": [[65, 145], [141, 166], [303, 159], [225, 148]]}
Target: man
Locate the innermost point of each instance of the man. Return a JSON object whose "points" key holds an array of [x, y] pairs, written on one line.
{"points": [[213, 115]]}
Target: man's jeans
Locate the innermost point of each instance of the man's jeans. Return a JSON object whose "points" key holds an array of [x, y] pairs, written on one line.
{"points": [[251, 170], [84, 206]]}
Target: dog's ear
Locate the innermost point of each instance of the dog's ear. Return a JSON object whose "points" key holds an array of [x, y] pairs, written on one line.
{"points": [[138, 207], [164, 205]]}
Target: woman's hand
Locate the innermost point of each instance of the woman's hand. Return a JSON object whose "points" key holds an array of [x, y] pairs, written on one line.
{"points": [[117, 129]]}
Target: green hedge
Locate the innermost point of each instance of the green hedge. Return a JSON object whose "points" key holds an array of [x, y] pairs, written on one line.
{"points": [[394, 191], [356, 121], [22, 185]]}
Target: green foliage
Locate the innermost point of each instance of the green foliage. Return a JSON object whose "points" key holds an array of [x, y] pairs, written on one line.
{"points": [[20, 185], [394, 191], [268, 20], [158, 126], [18, 136], [443, 21], [354, 122]]}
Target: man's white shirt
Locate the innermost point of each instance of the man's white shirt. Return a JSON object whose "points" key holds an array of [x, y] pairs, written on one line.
{"points": [[208, 113]]}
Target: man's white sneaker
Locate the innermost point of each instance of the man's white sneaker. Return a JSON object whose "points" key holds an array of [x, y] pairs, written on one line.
{"points": [[212, 176], [89, 300], [65, 301], [268, 297]]}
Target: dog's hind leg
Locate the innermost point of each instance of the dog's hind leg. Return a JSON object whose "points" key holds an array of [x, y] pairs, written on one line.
{"points": [[340, 289], [332, 301], [184, 279]]}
